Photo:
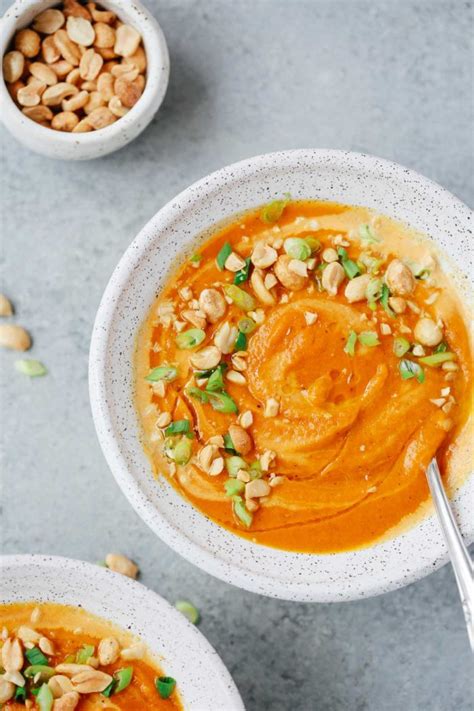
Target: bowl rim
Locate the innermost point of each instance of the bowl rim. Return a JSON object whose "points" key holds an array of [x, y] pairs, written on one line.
{"points": [[175, 538], [142, 17], [102, 578]]}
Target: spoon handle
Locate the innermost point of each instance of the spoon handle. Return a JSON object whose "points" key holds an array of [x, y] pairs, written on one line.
{"points": [[460, 558]]}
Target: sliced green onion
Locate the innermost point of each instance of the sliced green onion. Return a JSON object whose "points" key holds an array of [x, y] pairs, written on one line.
{"points": [[370, 263], [366, 233], [242, 512], [241, 342], [244, 273], [224, 253], [400, 346], [373, 291], [162, 372], [297, 248], [369, 338], [45, 698], [108, 691], [215, 382], [36, 656], [274, 210], [123, 677], [313, 243], [349, 348], [195, 258], [234, 464], [438, 358], [350, 267], [183, 451], [255, 470], [85, 653], [198, 394], [233, 487], [384, 297], [190, 338], [165, 686], [30, 367], [246, 325], [222, 402], [441, 348], [188, 610], [240, 297], [229, 445], [20, 694], [45, 671], [409, 369], [176, 427]]}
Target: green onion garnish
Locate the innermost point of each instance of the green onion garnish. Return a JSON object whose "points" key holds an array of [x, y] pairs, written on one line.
{"points": [[233, 487], [190, 338], [229, 445], [198, 394], [123, 677], [224, 253], [45, 698], [30, 367], [314, 244], [215, 382], [162, 372], [369, 338], [234, 464], [45, 671], [176, 427], [165, 686], [179, 450], [242, 512], [441, 348], [255, 470], [384, 297], [349, 348], [370, 263], [195, 258], [274, 210], [350, 267], [240, 297], [241, 342], [20, 694], [400, 346], [438, 358], [366, 233], [36, 656], [297, 248], [373, 291], [222, 402], [409, 369], [244, 273], [84, 654], [246, 325], [188, 610]]}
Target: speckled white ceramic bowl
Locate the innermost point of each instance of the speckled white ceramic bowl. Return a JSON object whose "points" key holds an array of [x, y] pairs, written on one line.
{"points": [[84, 146], [333, 175], [183, 653]]}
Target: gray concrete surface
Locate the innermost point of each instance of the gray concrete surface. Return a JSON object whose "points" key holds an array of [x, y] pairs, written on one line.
{"points": [[249, 76]]}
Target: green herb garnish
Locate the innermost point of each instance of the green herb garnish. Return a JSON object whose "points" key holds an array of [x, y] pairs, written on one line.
{"points": [[242, 512], [409, 369], [366, 233], [165, 686], [190, 338], [183, 451], [241, 342], [123, 678], [196, 258], [234, 464], [244, 273], [350, 267], [314, 244], [274, 210], [297, 248], [240, 297], [229, 445], [224, 253], [368, 338], [233, 487], [222, 402], [441, 348], [373, 291], [84, 654], [188, 610], [20, 694], [246, 325], [35, 656], [384, 297], [215, 381], [162, 372], [45, 698], [349, 348], [198, 394], [31, 368], [176, 427], [45, 671], [438, 358], [400, 346]]}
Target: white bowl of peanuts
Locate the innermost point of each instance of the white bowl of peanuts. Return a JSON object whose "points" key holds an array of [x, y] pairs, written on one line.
{"points": [[80, 80]]}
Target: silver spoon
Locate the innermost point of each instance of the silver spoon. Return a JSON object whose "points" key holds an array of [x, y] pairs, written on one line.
{"points": [[460, 558]]}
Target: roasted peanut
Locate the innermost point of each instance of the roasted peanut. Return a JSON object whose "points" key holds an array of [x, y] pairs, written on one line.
{"points": [[117, 108], [101, 15], [108, 651], [399, 278], [138, 60], [50, 51], [80, 31], [65, 121], [104, 36], [356, 288], [75, 102], [213, 304], [13, 66], [127, 40], [54, 95], [105, 86], [332, 278], [6, 309], [121, 564], [206, 358], [95, 102], [90, 65], [7, 691], [49, 21], [261, 292], [83, 127], [287, 277], [264, 256], [61, 68], [43, 73], [427, 332], [30, 95], [75, 9], [127, 92], [28, 42], [38, 113], [241, 439], [68, 49], [101, 117], [91, 682], [67, 702]]}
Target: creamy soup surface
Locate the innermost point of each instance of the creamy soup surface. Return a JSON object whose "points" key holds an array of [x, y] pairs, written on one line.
{"points": [[296, 375], [61, 658]]}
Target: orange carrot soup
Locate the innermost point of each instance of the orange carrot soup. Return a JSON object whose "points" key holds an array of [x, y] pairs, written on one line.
{"points": [[59, 658], [297, 374]]}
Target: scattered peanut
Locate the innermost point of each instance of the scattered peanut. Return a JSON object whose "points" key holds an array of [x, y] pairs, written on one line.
{"points": [[356, 288], [6, 308], [91, 682], [65, 121], [241, 439], [28, 42], [427, 332], [49, 21], [290, 279], [67, 702], [121, 564], [332, 278], [206, 358], [213, 304], [14, 337], [109, 651], [12, 655], [399, 278], [13, 66]]}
